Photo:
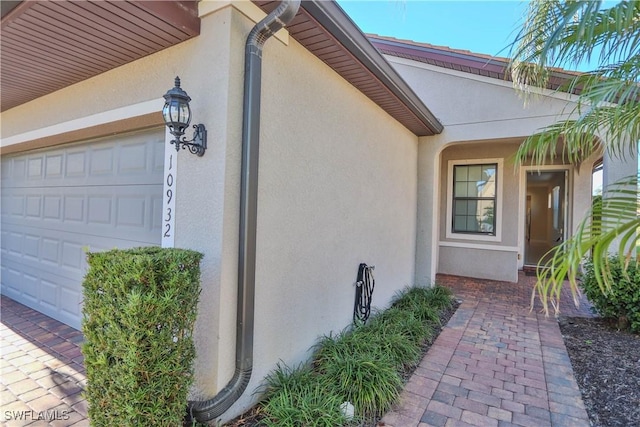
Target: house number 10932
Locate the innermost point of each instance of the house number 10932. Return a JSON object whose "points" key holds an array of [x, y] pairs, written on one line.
{"points": [[168, 202]]}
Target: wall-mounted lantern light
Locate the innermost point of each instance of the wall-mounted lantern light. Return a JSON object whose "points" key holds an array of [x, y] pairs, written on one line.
{"points": [[177, 116]]}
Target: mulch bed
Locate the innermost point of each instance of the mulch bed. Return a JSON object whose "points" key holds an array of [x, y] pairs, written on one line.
{"points": [[606, 364]]}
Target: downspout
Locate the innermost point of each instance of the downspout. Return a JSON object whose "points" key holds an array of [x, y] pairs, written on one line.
{"points": [[207, 410]]}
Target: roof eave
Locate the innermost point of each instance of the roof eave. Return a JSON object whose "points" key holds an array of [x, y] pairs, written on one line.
{"points": [[337, 22], [443, 57]]}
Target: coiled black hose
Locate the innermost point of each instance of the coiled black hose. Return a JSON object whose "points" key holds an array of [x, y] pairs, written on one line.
{"points": [[364, 292]]}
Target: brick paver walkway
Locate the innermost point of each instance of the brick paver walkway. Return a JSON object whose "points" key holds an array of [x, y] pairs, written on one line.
{"points": [[41, 370], [494, 364]]}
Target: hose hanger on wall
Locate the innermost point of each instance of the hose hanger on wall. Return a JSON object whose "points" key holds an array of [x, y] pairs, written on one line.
{"points": [[364, 292]]}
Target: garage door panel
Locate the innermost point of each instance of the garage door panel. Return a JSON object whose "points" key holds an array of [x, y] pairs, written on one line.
{"points": [[49, 295], [156, 213], [76, 164], [52, 207], [30, 286], [14, 242], [33, 206], [122, 212], [5, 170], [74, 209], [31, 247], [139, 160], [10, 278], [134, 159], [50, 251], [53, 166], [19, 170], [34, 168], [16, 204], [58, 203], [57, 296]]}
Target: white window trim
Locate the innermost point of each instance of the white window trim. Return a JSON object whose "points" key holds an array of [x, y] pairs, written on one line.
{"points": [[479, 246], [499, 196]]}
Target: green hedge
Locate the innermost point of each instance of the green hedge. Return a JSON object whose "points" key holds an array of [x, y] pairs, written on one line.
{"points": [[139, 312], [623, 301]]}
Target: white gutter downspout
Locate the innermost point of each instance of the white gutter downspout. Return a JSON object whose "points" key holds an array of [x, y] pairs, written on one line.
{"points": [[207, 410]]}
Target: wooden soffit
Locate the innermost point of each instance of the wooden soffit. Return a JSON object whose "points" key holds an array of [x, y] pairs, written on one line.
{"points": [[47, 45], [324, 29]]}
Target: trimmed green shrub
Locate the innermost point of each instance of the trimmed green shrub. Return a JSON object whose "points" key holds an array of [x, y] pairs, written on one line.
{"points": [[622, 302], [139, 311]]}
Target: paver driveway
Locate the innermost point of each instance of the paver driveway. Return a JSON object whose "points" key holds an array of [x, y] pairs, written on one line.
{"points": [[41, 370], [494, 364]]}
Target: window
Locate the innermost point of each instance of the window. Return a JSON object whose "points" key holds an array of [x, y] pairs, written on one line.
{"points": [[555, 197], [474, 199]]}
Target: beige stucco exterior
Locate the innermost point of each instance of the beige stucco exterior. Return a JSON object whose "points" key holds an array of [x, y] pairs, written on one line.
{"points": [[338, 185], [484, 118], [340, 181], [212, 75]]}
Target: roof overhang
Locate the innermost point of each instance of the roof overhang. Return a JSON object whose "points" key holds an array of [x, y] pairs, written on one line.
{"points": [[460, 60], [324, 29], [48, 45]]}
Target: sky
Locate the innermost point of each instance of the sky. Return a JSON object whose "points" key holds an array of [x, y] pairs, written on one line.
{"points": [[481, 26]]}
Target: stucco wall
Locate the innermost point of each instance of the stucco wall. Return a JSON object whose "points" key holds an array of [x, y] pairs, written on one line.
{"points": [[499, 261], [483, 118], [204, 207], [510, 186], [338, 185], [478, 263]]}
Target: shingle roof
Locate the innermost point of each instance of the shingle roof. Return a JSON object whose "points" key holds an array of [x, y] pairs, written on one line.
{"points": [[457, 59]]}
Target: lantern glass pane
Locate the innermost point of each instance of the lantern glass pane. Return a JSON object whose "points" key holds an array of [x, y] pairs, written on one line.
{"points": [[185, 114], [165, 113], [174, 112]]}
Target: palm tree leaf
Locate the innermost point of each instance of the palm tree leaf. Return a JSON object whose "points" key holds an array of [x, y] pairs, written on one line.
{"points": [[611, 222]]}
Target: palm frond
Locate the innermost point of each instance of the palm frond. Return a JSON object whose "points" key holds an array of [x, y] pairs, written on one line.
{"points": [[612, 222], [612, 128], [565, 33]]}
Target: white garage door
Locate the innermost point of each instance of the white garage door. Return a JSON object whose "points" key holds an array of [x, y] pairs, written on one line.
{"points": [[59, 202]]}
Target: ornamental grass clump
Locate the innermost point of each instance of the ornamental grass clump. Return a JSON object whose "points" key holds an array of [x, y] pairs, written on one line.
{"points": [[298, 397], [139, 310], [361, 366]]}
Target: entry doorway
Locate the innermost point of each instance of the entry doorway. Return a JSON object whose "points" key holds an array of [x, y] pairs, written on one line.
{"points": [[546, 213]]}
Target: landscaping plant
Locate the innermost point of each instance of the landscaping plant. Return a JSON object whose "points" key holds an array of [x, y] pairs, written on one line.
{"points": [[622, 300], [298, 397], [362, 365], [604, 118], [139, 311]]}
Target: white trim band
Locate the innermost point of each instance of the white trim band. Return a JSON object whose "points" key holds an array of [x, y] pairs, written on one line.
{"points": [[127, 112], [479, 246]]}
